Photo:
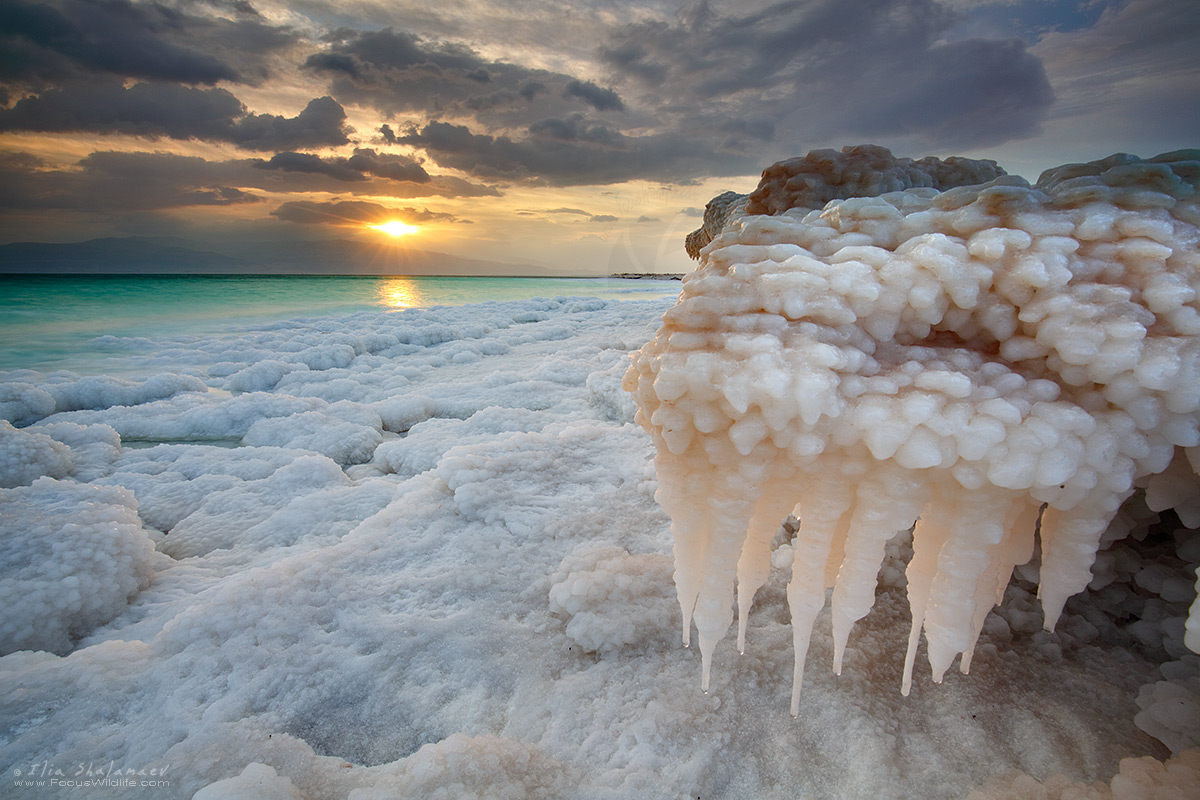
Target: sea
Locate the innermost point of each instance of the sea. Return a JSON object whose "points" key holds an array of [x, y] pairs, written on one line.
{"points": [[63, 322]]}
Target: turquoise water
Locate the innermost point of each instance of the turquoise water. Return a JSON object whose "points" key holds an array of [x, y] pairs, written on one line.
{"points": [[48, 321]]}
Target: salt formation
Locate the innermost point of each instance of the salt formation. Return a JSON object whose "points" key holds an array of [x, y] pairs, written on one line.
{"points": [[990, 363], [25, 456], [71, 556]]}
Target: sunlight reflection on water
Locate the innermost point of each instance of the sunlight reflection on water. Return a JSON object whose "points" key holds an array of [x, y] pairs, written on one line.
{"points": [[400, 293]]}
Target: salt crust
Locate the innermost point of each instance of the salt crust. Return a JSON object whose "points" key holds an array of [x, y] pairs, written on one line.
{"points": [[25, 455], [1138, 779], [990, 360], [71, 556], [256, 782], [371, 632], [611, 598], [481, 767]]}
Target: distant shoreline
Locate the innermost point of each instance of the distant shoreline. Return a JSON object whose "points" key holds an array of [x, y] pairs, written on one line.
{"points": [[654, 276]]}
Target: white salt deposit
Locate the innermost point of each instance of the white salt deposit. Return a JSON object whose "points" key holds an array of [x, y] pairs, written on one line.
{"points": [[466, 591], [256, 782], [1138, 779]]}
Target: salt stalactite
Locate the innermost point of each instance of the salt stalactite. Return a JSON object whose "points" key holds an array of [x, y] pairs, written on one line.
{"points": [[874, 344]]}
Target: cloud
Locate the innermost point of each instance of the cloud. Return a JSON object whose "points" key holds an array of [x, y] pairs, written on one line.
{"points": [[115, 183], [338, 169], [399, 72], [321, 123], [708, 92], [832, 71], [972, 93], [380, 174], [388, 165], [353, 212], [1132, 77], [364, 162], [51, 42], [565, 161], [598, 98], [441, 185], [577, 128], [176, 112]]}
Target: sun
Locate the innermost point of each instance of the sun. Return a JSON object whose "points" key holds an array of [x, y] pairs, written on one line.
{"points": [[395, 228]]}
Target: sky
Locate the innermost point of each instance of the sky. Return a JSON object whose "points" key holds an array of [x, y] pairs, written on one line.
{"points": [[583, 136]]}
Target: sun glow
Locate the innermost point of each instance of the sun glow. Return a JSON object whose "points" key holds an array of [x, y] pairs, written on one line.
{"points": [[395, 228]]}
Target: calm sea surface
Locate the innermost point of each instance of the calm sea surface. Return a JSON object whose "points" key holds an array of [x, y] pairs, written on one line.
{"points": [[47, 321]]}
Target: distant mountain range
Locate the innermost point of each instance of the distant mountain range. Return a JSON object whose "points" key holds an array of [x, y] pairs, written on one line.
{"points": [[141, 255]]}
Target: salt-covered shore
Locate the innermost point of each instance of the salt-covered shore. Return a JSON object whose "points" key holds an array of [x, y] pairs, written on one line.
{"points": [[418, 554]]}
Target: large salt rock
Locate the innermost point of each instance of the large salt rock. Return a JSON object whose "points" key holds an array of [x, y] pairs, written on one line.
{"points": [[980, 362], [812, 181]]}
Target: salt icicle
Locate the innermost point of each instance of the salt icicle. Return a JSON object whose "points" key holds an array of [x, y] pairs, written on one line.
{"points": [[755, 563], [822, 511], [886, 504]]}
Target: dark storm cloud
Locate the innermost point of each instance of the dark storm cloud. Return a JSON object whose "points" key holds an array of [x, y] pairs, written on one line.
{"points": [[530, 89], [118, 182], [337, 169], [353, 212], [364, 162], [1141, 56], [834, 70], [566, 160], [46, 43], [396, 71], [577, 128], [388, 165], [176, 112], [975, 92], [708, 93], [380, 174], [596, 97]]}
